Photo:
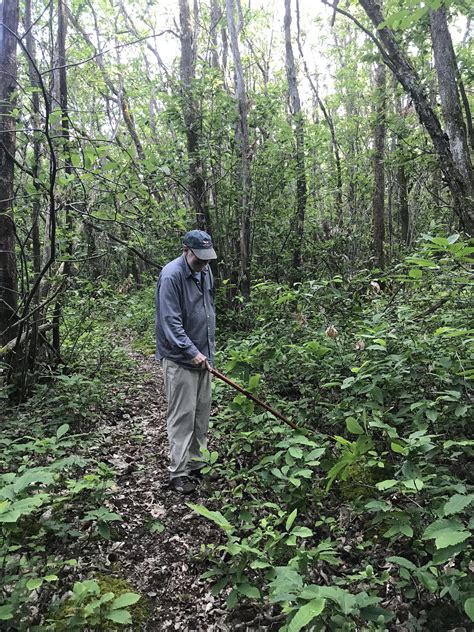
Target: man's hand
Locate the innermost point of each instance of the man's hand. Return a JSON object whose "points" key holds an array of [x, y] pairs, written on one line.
{"points": [[201, 361]]}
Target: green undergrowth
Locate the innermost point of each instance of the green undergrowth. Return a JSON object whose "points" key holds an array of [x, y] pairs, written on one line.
{"points": [[362, 518], [101, 603], [54, 491]]}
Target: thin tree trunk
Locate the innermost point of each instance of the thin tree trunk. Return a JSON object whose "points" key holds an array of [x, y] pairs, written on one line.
{"points": [[401, 182], [191, 115], [216, 14], [35, 170], [66, 153], [295, 107], [329, 121], [397, 60], [9, 10], [403, 209], [378, 204], [243, 146], [447, 71]]}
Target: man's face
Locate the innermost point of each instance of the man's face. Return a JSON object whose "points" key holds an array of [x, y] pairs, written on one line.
{"points": [[196, 265]]}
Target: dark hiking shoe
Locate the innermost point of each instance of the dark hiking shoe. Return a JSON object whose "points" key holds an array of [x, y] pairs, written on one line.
{"points": [[182, 485], [198, 475]]}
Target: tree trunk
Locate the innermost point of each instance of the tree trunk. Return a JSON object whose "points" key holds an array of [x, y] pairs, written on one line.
{"points": [[66, 153], [197, 185], [396, 59], [295, 107], [447, 72], [403, 210], [216, 14], [9, 10], [401, 180], [36, 205], [378, 204], [330, 124], [243, 146]]}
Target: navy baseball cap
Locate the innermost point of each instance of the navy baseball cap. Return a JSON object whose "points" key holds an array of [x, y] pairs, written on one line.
{"points": [[201, 244]]}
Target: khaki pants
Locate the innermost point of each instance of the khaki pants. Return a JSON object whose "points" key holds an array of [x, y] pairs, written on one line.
{"points": [[188, 393]]}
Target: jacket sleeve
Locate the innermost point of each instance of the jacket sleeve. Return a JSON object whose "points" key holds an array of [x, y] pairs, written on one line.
{"points": [[171, 318]]}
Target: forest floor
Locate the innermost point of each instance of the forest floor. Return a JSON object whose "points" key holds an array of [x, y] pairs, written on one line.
{"points": [[156, 546]]}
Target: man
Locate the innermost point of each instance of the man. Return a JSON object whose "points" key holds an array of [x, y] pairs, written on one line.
{"points": [[185, 343]]}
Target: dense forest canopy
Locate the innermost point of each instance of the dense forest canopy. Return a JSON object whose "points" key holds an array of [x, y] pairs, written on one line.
{"points": [[327, 147], [124, 125]]}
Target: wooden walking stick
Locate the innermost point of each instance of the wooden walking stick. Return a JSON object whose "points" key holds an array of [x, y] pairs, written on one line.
{"points": [[227, 380]]}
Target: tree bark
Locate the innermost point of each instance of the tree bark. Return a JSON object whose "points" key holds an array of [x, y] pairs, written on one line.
{"points": [[191, 115], [295, 108], [35, 170], [66, 153], [401, 179], [378, 203], [447, 72], [9, 10], [398, 61], [330, 124], [243, 145], [216, 14]]}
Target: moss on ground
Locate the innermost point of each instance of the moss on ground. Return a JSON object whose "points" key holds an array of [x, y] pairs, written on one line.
{"points": [[62, 620]]}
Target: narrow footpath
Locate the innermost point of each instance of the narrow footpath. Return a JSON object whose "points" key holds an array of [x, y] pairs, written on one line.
{"points": [[155, 547]]}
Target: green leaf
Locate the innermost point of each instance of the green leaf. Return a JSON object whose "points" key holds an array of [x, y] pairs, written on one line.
{"points": [[441, 556], [125, 600], [469, 608], [406, 530], [415, 273], [157, 527], [424, 263], [295, 452], [415, 484], [306, 614], [399, 449], [439, 525], [386, 484], [346, 600], [403, 562], [428, 580], [33, 584], [310, 592], [254, 381], [447, 538], [457, 503], [35, 475], [6, 612], [354, 426], [62, 430], [252, 592], [120, 616], [290, 520], [23, 507], [104, 530], [232, 598], [302, 532], [218, 586], [461, 410], [215, 516]]}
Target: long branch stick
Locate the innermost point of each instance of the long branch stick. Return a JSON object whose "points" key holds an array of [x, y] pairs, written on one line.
{"points": [[225, 379]]}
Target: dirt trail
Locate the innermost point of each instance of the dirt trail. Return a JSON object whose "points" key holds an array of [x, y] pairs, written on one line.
{"points": [[160, 565]]}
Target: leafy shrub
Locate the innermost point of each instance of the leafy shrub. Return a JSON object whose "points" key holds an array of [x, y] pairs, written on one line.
{"points": [[375, 371]]}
